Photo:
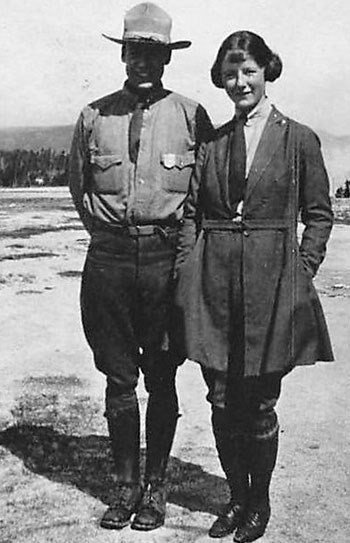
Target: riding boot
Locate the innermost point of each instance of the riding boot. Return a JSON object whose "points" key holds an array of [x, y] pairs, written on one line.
{"points": [[231, 452], [124, 432], [262, 460], [161, 421]]}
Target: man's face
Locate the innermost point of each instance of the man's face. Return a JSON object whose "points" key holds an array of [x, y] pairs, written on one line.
{"points": [[145, 63], [243, 80]]}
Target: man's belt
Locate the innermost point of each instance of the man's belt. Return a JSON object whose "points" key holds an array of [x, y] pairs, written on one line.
{"points": [[137, 229]]}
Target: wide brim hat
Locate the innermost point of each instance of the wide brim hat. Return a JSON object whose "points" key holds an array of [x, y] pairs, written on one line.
{"points": [[148, 23]]}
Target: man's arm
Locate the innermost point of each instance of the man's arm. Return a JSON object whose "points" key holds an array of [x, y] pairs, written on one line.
{"points": [[204, 128], [192, 214], [77, 172]]}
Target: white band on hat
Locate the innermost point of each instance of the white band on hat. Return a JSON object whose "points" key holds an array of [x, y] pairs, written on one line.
{"points": [[146, 35]]}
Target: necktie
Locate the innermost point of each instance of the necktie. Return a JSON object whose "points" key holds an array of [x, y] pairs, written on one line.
{"points": [[238, 157], [135, 131], [144, 99]]}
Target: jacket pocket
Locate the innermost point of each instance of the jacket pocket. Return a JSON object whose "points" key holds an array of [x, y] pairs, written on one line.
{"points": [[107, 174], [177, 169], [105, 161]]}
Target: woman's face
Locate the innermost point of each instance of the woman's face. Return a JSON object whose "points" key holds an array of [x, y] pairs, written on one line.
{"points": [[243, 80]]}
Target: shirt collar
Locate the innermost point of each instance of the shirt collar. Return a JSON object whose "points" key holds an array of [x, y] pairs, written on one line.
{"points": [[141, 96], [260, 112]]}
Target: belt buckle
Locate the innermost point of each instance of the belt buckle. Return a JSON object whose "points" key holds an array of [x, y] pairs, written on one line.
{"points": [[131, 230], [237, 219], [162, 231]]}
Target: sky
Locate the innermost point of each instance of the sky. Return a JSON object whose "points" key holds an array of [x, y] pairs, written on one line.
{"points": [[54, 60]]}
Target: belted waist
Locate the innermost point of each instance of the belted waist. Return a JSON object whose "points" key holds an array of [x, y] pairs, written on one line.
{"points": [[240, 225], [137, 229]]}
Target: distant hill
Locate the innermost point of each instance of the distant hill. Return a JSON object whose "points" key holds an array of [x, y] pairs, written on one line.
{"points": [[36, 138], [336, 149]]}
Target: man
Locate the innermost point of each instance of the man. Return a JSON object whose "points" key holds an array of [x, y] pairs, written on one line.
{"points": [[131, 159]]}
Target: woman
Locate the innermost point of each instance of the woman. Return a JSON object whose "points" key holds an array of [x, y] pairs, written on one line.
{"points": [[245, 290]]}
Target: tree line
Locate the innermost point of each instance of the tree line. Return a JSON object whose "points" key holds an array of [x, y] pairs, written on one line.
{"points": [[47, 167], [22, 168], [344, 190]]}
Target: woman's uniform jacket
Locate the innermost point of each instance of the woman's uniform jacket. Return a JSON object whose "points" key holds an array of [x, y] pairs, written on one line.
{"points": [[284, 324]]}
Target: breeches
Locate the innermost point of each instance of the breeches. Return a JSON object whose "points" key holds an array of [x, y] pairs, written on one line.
{"points": [[126, 300], [250, 402]]}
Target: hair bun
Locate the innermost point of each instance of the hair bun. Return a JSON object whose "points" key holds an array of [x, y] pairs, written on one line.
{"points": [[274, 68]]}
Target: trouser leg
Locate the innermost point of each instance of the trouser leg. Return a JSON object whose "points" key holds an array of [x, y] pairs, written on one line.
{"points": [[108, 304]]}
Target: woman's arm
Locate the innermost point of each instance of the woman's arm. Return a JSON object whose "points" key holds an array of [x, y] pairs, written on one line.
{"points": [[315, 203]]}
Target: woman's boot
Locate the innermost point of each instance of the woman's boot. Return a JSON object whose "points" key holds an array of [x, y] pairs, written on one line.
{"points": [[232, 456], [262, 460]]}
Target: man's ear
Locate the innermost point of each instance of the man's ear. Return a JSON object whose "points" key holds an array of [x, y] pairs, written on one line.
{"points": [[123, 52]]}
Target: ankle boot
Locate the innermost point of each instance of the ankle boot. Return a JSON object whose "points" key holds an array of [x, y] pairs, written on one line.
{"points": [[124, 431], [262, 461], [161, 421], [231, 452], [125, 503], [151, 511]]}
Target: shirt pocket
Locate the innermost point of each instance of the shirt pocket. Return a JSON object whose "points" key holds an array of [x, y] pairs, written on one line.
{"points": [[107, 173], [177, 169]]}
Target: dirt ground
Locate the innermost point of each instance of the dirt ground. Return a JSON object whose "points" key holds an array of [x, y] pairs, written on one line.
{"points": [[56, 473]]}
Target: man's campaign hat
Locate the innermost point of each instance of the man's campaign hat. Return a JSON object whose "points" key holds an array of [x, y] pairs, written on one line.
{"points": [[148, 23]]}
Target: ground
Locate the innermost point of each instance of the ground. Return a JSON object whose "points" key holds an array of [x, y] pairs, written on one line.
{"points": [[56, 473]]}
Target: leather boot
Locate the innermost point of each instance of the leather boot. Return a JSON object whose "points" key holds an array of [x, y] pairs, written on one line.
{"points": [[231, 451], [262, 459], [118, 514], [161, 421], [152, 508], [124, 432]]}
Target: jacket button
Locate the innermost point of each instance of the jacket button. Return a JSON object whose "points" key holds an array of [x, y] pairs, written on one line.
{"points": [[245, 233]]}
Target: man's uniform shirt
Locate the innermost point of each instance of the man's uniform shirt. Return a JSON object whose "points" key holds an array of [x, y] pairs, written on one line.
{"points": [[107, 183]]}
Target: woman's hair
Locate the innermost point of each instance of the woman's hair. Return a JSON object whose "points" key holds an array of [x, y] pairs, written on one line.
{"points": [[253, 45]]}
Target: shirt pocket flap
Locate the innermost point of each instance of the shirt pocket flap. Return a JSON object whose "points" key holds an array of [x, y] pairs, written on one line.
{"points": [[105, 161], [171, 160]]}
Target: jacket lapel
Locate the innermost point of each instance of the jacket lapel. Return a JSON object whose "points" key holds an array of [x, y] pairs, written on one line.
{"points": [[221, 158], [271, 139]]}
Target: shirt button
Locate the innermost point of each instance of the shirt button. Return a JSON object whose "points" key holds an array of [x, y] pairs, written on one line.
{"points": [[245, 233], [141, 181]]}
